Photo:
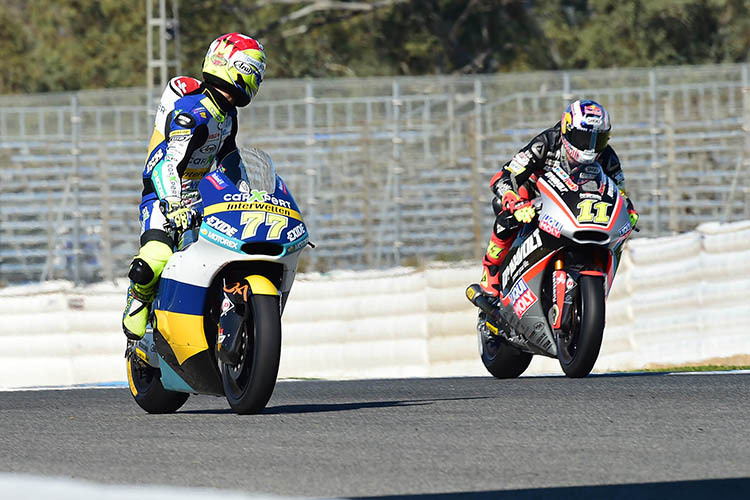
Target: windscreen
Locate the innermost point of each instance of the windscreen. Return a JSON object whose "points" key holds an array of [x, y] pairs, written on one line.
{"points": [[258, 169]]}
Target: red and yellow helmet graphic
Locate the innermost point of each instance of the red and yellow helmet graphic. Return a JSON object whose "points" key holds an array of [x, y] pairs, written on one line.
{"points": [[236, 64]]}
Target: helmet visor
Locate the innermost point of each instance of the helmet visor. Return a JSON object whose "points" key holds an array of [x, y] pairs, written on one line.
{"points": [[587, 139]]}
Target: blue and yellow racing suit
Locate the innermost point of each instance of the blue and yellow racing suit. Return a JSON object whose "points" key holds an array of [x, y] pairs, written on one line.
{"points": [[195, 128]]}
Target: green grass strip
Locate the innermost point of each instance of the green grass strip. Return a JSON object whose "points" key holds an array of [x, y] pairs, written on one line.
{"points": [[703, 368]]}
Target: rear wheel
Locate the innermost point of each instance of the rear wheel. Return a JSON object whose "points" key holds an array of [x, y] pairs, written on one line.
{"points": [[145, 386], [578, 350], [248, 385], [500, 358]]}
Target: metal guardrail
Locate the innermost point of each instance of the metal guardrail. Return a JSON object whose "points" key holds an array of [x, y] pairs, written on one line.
{"points": [[387, 171]]}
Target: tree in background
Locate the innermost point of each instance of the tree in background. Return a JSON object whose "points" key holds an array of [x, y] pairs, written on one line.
{"points": [[102, 44], [661, 32], [75, 44]]}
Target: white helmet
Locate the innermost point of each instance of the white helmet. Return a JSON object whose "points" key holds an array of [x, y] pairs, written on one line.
{"points": [[585, 131]]}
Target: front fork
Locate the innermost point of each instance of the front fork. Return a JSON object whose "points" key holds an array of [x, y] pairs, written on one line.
{"points": [[564, 294], [565, 290], [235, 313]]}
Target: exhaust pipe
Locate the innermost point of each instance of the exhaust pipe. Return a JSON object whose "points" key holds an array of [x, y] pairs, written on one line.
{"points": [[477, 297]]}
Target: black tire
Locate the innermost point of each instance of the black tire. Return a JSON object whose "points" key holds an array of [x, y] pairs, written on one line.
{"points": [[578, 350], [501, 359], [145, 386], [249, 384]]}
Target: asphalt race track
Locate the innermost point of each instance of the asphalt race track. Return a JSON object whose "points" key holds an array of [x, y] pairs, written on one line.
{"points": [[615, 436]]}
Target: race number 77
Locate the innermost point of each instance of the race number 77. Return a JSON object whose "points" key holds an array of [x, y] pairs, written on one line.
{"points": [[252, 221]]}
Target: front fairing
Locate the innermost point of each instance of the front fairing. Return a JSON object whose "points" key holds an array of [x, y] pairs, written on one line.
{"points": [[255, 209], [584, 207]]}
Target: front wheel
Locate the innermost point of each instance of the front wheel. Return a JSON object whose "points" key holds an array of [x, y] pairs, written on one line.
{"points": [[500, 358], [578, 350], [145, 386], [249, 383]]}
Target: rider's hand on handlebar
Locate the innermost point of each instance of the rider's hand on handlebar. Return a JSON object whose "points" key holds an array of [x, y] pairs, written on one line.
{"points": [[524, 213], [179, 217], [522, 210], [633, 217]]}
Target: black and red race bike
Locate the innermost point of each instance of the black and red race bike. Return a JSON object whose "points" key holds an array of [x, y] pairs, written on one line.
{"points": [[556, 276]]}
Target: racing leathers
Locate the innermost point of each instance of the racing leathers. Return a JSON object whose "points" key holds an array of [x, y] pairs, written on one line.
{"points": [[194, 129], [516, 183]]}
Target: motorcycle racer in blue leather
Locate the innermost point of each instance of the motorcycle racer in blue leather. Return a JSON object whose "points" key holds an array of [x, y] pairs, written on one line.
{"points": [[194, 129]]}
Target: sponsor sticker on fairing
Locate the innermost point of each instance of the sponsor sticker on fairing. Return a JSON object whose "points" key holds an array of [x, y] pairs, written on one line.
{"points": [[256, 196], [226, 305], [522, 298], [550, 225], [221, 226], [518, 260], [552, 179], [220, 239], [296, 232], [563, 175], [293, 248], [217, 181], [570, 283], [590, 196]]}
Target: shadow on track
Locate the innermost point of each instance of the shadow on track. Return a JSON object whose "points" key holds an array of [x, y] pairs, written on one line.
{"points": [[735, 488], [328, 407]]}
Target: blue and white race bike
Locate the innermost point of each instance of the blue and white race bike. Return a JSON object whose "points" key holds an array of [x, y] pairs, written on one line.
{"points": [[215, 324]]}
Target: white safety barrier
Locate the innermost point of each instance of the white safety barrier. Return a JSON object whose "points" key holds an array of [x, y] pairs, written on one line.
{"points": [[66, 488], [676, 300]]}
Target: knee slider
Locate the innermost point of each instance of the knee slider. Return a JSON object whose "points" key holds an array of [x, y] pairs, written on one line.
{"points": [[140, 272]]}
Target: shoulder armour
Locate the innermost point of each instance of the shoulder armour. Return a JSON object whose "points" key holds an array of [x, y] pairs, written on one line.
{"points": [[183, 85]]}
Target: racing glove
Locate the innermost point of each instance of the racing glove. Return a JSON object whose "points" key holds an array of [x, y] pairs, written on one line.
{"points": [[631, 210], [633, 217], [179, 217], [521, 209]]}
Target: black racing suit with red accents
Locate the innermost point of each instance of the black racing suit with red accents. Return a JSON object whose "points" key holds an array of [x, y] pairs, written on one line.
{"points": [[542, 154]]}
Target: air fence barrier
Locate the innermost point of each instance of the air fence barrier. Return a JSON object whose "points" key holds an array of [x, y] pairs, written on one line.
{"points": [[676, 300], [388, 171]]}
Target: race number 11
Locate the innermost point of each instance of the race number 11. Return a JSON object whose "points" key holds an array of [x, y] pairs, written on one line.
{"points": [[585, 213]]}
